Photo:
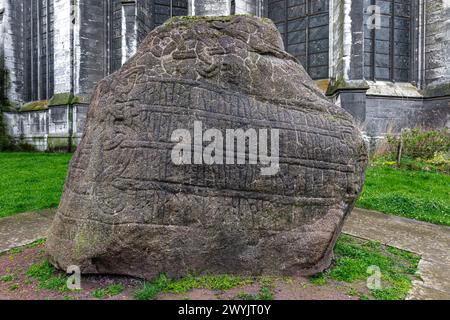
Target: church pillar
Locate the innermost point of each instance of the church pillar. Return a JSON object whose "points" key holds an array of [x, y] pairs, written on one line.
{"points": [[253, 7], [63, 46], [129, 29], [437, 48], [12, 60], [210, 7], [227, 7]]}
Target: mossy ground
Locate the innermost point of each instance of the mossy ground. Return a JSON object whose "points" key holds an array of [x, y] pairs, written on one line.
{"points": [[25, 273], [357, 260], [109, 291]]}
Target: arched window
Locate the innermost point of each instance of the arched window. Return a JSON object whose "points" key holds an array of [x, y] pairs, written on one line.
{"points": [[387, 48], [304, 25]]}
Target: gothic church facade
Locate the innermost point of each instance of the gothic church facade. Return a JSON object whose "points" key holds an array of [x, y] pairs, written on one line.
{"points": [[392, 77]]}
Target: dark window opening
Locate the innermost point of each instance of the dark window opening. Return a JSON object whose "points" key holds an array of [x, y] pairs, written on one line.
{"points": [[165, 9], [304, 25], [38, 50], [387, 51]]}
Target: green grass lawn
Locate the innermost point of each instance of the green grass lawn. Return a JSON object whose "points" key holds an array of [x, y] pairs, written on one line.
{"points": [[34, 181], [418, 195], [31, 181]]}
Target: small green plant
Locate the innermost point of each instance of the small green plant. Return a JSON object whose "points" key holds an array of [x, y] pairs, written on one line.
{"points": [[268, 281], [14, 251], [99, 293], [222, 282], [41, 271], [419, 144], [114, 290], [264, 294], [354, 257], [109, 291], [352, 292], [318, 279], [213, 282], [46, 276], [13, 287], [245, 296], [8, 278], [55, 283], [36, 243], [149, 291]]}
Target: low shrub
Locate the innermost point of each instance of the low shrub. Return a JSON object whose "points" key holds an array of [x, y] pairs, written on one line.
{"points": [[418, 144]]}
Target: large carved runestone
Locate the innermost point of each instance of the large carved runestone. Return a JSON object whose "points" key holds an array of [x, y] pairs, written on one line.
{"points": [[129, 209]]}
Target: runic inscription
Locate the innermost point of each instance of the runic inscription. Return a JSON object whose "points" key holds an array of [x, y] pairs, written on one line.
{"points": [[129, 208]]}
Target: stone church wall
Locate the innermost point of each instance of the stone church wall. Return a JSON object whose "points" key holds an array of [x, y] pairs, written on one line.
{"points": [[56, 129], [92, 39]]}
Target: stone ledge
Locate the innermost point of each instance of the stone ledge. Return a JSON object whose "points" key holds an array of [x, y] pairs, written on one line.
{"points": [[437, 90], [337, 85], [393, 89], [41, 105], [58, 99]]}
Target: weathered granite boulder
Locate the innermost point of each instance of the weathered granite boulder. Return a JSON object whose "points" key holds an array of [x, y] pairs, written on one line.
{"points": [[128, 209]]}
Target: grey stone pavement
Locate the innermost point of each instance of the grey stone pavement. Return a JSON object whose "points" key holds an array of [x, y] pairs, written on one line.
{"points": [[430, 241], [25, 228]]}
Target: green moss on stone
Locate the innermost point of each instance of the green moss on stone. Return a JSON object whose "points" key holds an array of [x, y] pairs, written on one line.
{"points": [[35, 106], [89, 242], [267, 20], [59, 144], [197, 19], [341, 84], [61, 99], [81, 245], [191, 19]]}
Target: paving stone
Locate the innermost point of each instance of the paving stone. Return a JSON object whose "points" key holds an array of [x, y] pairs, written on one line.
{"points": [[25, 228]]}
